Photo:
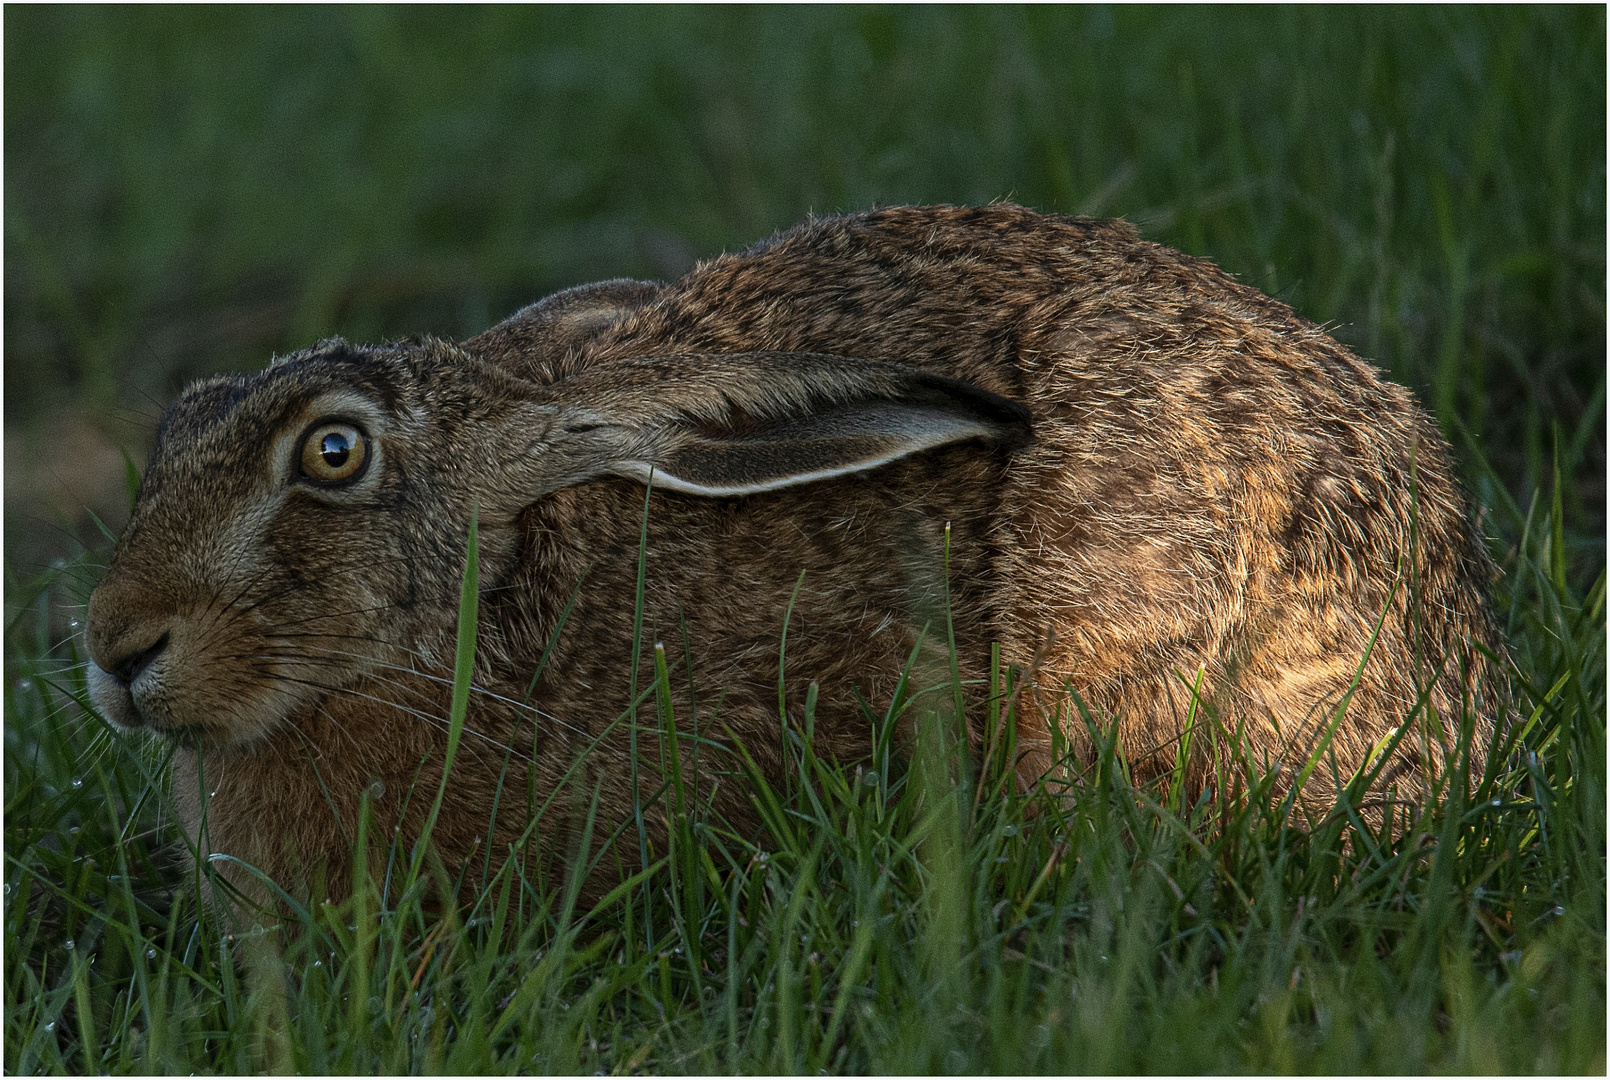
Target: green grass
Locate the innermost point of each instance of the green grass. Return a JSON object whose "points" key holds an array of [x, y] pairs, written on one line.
{"points": [[193, 189]]}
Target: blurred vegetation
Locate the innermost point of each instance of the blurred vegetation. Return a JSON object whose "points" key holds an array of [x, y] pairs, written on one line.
{"points": [[191, 189]]}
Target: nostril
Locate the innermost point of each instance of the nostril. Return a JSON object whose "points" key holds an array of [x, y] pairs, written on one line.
{"points": [[129, 667]]}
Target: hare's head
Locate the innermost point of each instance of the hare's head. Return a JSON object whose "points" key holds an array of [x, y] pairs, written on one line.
{"points": [[285, 539], [301, 528]]}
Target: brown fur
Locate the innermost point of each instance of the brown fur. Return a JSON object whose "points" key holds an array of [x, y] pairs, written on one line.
{"points": [[1149, 470]]}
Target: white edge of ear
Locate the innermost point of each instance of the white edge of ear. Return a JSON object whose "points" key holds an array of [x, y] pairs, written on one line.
{"points": [[662, 480]]}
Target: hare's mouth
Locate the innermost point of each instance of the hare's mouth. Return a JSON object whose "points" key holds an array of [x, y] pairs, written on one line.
{"points": [[114, 698], [122, 705]]}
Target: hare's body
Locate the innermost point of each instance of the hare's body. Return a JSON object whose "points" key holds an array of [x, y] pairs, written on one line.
{"points": [[1149, 471]]}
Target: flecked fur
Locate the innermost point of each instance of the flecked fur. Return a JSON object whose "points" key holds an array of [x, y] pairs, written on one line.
{"points": [[1198, 480]]}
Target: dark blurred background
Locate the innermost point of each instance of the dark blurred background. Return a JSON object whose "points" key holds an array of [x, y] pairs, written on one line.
{"points": [[192, 189]]}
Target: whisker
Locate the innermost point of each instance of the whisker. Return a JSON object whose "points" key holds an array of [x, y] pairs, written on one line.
{"points": [[447, 681], [436, 721]]}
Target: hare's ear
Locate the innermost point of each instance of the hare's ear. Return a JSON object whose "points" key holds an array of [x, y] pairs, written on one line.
{"points": [[578, 313], [745, 458], [782, 440], [536, 341]]}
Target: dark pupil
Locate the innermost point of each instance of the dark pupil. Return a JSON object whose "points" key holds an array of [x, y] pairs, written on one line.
{"points": [[335, 447]]}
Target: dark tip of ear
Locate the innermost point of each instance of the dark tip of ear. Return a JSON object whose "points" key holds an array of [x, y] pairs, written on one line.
{"points": [[1012, 417]]}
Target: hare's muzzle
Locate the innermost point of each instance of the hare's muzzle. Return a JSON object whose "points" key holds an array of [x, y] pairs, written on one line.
{"points": [[127, 668], [125, 663], [130, 641]]}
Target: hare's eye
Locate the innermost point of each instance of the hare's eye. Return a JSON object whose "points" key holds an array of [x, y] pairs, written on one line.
{"points": [[333, 453]]}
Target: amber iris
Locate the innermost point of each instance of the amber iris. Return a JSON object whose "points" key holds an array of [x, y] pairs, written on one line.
{"points": [[333, 452]]}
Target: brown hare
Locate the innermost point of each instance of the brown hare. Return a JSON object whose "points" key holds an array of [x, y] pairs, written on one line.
{"points": [[1152, 475]]}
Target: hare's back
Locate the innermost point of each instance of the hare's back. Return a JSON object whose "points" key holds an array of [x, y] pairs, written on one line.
{"points": [[1212, 483], [1187, 429], [1136, 361]]}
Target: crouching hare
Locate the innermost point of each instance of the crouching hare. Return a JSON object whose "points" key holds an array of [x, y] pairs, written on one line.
{"points": [[1153, 476]]}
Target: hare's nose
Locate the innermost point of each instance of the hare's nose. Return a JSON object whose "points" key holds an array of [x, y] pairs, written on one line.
{"points": [[127, 667]]}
